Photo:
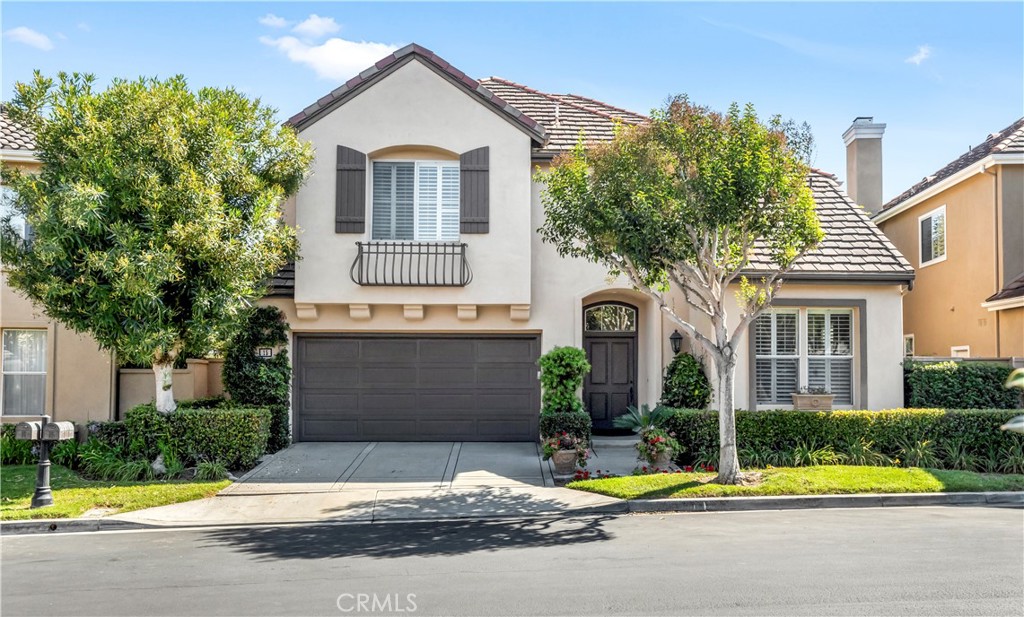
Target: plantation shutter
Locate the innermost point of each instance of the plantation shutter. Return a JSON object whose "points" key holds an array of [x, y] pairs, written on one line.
{"points": [[350, 192], [777, 366], [394, 189], [830, 347], [474, 194]]}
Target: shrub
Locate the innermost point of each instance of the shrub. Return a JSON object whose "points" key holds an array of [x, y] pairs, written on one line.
{"points": [[561, 375], [235, 436], [685, 384], [575, 423], [210, 471], [113, 434], [14, 451], [952, 439], [261, 382], [146, 428], [102, 462], [960, 385]]}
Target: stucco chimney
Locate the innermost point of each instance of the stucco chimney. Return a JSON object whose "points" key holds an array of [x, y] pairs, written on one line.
{"points": [[864, 162]]}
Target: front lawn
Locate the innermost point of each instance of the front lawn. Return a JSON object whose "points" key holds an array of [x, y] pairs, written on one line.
{"points": [[74, 495], [823, 480]]}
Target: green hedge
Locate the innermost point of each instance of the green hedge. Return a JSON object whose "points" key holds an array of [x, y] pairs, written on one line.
{"points": [[576, 423], [233, 436], [960, 385], [957, 439]]}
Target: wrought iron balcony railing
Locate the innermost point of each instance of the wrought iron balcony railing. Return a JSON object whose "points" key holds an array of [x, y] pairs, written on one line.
{"points": [[411, 264]]}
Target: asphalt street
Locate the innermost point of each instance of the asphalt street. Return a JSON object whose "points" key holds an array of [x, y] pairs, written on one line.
{"points": [[886, 561]]}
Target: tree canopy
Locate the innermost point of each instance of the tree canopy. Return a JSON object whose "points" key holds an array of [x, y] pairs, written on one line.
{"points": [[685, 201], [156, 214]]}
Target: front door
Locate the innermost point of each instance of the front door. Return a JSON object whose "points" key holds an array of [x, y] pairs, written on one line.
{"points": [[610, 340]]}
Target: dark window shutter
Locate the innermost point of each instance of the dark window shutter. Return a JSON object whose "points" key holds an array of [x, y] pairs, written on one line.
{"points": [[474, 191], [350, 194], [926, 240]]}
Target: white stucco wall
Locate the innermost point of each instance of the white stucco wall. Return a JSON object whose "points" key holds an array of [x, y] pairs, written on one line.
{"points": [[414, 106]]}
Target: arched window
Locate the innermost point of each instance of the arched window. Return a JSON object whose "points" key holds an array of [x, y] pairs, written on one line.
{"points": [[610, 318]]}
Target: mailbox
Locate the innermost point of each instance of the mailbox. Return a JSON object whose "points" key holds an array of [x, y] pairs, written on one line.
{"points": [[58, 431], [28, 430]]}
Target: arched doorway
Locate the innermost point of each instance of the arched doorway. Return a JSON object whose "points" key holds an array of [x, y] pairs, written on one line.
{"points": [[610, 340]]}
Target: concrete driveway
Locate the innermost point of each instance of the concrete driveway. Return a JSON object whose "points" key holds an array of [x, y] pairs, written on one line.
{"points": [[380, 481], [362, 466]]}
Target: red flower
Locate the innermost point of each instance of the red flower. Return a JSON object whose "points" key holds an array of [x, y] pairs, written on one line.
{"points": [[689, 469], [709, 468]]}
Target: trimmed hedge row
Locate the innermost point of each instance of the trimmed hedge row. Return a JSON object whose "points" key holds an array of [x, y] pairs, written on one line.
{"points": [[956, 438], [202, 430], [960, 385]]}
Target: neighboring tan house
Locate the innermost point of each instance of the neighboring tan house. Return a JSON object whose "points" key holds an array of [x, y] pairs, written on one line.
{"points": [[424, 294], [45, 368], [962, 228]]}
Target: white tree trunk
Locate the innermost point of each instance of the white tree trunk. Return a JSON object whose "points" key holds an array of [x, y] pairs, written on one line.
{"points": [[728, 457], [164, 386]]}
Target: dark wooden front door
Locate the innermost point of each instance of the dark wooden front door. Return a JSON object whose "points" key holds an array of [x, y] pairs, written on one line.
{"points": [[611, 385]]}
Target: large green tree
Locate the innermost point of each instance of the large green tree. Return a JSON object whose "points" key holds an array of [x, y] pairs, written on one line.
{"points": [[684, 202], [156, 215]]}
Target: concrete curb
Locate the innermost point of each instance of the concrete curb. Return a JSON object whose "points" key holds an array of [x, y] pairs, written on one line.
{"points": [[635, 506], [800, 502], [65, 525]]}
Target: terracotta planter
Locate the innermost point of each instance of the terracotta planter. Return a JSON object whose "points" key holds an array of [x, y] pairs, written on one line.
{"points": [[812, 402], [565, 463], [663, 460]]}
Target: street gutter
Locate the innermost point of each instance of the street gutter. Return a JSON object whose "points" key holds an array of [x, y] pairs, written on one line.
{"points": [[636, 506]]}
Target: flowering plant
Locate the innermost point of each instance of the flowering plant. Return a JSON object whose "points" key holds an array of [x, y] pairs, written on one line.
{"points": [[654, 441], [565, 441]]}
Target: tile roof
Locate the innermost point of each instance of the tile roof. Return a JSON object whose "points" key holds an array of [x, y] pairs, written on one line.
{"points": [[14, 136], [1007, 141], [853, 248], [389, 63], [282, 284], [1013, 289], [564, 116]]}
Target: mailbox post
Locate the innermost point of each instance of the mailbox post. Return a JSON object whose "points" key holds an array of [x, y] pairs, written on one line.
{"points": [[43, 495], [44, 433]]}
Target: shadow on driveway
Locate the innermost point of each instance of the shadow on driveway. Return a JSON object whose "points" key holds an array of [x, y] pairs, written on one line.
{"points": [[409, 539]]}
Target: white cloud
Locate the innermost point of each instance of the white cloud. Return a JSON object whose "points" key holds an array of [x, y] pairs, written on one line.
{"points": [[30, 37], [923, 53], [314, 27], [62, 36], [335, 59], [84, 27], [273, 21]]}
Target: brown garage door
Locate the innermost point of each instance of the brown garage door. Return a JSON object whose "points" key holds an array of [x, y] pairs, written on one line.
{"points": [[416, 388]]}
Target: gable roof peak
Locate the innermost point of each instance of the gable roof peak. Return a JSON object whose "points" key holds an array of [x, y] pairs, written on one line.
{"points": [[439, 65]]}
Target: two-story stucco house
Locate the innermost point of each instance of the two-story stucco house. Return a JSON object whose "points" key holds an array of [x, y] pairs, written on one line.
{"points": [[962, 228], [424, 295]]}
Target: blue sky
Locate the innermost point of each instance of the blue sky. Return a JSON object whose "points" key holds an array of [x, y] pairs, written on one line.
{"points": [[942, 76]]}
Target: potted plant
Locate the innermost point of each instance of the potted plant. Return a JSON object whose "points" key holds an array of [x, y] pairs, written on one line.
{"points": [[566, 452], [564, 426], [657, 446], [812, 399]]}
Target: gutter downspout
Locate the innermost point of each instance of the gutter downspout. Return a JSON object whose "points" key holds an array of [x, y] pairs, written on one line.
{"points": [[995, 207]]}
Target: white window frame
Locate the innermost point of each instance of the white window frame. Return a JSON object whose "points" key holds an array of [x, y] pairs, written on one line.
{"points": [[4, 372], [417, 164], [945, 237], [913, 345], [803, 359], [960, 351]]}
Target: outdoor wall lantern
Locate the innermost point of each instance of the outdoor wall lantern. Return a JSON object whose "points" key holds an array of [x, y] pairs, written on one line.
{"points": [[677, 341]]}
